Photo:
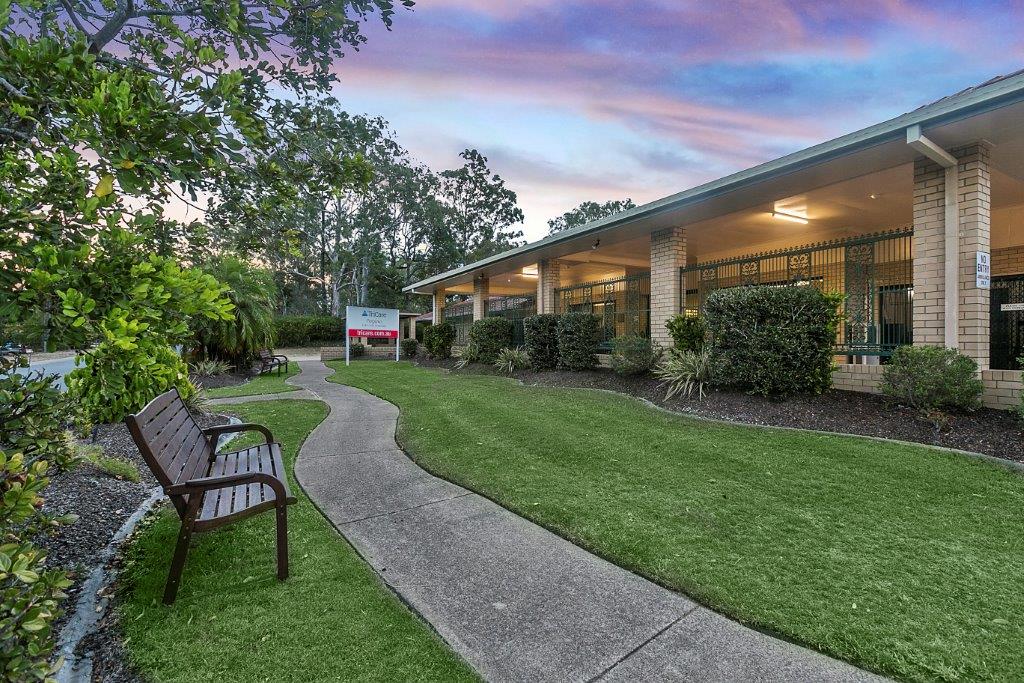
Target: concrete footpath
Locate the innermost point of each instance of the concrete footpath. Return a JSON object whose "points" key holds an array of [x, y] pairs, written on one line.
{"points": [[516, 601]]}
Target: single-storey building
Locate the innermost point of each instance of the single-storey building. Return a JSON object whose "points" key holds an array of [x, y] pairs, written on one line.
{"points": [[918, 221]]}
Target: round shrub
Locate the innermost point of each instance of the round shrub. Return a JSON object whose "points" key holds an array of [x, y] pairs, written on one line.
{"points": [[409, 348], [688, 332], [490, 336], [438, 340], [773, 341], [930, 378], [578, 334], [308, 330], [633, 355], [540, 333], [356, 349]]}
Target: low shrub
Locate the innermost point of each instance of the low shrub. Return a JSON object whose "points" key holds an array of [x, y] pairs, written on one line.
{"points": [[578, 334], [490, 336], [541, 337], [356, 349], [209, 368], [510, 360], [438, 340], [633, 355], [932, 378], [409, 348], [308, 330], [773, 341], [686, 372], [688, 332]]}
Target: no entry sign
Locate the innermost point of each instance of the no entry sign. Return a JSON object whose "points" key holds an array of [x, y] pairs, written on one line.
{"points": [[378, 323]]}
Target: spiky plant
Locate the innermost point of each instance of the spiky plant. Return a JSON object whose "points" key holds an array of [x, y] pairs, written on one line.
{"points": [[254, 294]]}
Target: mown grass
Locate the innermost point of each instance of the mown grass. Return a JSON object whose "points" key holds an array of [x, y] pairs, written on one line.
{"points": [[233, 621], [902, 559], [269, 383]]}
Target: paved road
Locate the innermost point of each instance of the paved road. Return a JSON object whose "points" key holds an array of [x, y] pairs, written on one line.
{"points": [[516, 601], [59, 367]]}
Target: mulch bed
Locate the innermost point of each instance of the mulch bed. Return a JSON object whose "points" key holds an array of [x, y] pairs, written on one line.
{"points": [[997, 433], [228, 379]]}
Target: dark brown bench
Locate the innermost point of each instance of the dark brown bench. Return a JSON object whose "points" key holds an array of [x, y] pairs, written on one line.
{"points": [[269, 361], [210, 489]]}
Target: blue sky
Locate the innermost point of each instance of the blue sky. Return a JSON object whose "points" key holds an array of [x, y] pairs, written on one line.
{"points": [[576, 100]]}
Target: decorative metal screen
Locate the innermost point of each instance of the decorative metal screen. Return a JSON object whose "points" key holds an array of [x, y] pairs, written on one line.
{"points": [[1006, 342], [623, 304], [460, 316], [875, 273], [514, 308]]}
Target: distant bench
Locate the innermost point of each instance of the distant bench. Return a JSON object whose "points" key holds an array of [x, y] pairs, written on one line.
{"points": [[210, 489], [270, 361]]}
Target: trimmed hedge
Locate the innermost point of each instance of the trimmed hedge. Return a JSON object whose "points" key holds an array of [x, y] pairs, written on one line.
{"points": [[490, 336], [438, 340], [540, 334], [773, 341], [409, 348], [292, 331], [578, 334], [930, 378], [688, 332], [634, 355]]}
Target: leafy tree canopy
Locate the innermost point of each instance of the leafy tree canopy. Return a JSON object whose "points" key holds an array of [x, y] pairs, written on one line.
{"points": [[588, 212]]}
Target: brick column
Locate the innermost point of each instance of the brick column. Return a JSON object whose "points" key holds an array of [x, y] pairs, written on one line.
{"points": [[549, 278], [974, 195], [438, 306], [973, 189], [481, 292], [668, 255]]}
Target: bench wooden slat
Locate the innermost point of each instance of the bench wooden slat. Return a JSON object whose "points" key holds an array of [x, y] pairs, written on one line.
{"points": [[162, 437]]}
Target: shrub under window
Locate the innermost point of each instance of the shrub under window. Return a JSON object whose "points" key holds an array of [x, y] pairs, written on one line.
{"points": [[773, 341], [489, 336], [930, 378], [633, 355], [578, 334], [438, 340], [541, 336]]}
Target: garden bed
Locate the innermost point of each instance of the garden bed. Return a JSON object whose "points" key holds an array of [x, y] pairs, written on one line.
{"points": [[997, 433], [227, 379]]}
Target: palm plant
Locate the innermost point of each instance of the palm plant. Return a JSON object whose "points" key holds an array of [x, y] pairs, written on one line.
{"points": [[254, 294]]}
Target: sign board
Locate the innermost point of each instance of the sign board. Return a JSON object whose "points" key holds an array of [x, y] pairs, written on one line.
{"points": [[377, 323], [984, 270], [1012, 307]]}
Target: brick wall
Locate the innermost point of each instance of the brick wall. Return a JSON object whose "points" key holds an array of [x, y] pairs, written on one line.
{"points": [[438, 306], [549, 277], [481, 293], [929, 250], [857, 378], [668, 255], [1008, 261], [1002, 388], [974, 196]]}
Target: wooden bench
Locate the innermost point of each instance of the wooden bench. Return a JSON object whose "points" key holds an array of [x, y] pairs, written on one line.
{"points": [[210, 489], [269, 361]]}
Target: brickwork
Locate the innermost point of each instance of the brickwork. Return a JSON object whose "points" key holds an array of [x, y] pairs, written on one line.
{"points": [[549, 278], [1002, 388], [438, 306], [1008, 261], [668, 255], [975, 199], [929, 252], [863, 378], [481, 293]]}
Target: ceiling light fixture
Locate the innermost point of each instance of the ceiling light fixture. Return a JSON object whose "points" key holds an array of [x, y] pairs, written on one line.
{"points": [[789, 217], [530, 271]]}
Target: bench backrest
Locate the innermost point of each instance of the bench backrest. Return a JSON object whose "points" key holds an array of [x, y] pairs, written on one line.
{"points": [[171, 442], [265, 354]]}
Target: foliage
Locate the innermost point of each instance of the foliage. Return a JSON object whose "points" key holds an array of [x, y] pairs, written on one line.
{"points": [[1020, 406], [773, 341], [308, 330], [253, 296], [634, 355], [409, 348], [932, 378], [509, 360], [490, 336], [209, 368], [34, 417], [578, 334], [541, 337], [685, 372], [688, 332], [438, 340], [119, 468], [588, 212], [356, 349]]}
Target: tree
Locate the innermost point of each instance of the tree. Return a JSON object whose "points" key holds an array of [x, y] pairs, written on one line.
{"points": [[253, 295], [587, 212]]}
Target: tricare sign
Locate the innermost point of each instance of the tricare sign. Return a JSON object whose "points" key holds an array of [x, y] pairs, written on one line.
{"points": [[378, 323]]}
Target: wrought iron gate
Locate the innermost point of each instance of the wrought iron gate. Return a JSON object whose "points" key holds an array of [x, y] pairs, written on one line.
{"points": [[515, 309], [623, 305], [1006, 338]]}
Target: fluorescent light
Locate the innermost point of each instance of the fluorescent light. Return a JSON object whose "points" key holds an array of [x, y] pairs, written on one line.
{"points": [[530, 271], [789, 217]]}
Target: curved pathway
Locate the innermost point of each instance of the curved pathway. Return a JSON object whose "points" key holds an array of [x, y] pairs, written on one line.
{"points": [[516, 601]]}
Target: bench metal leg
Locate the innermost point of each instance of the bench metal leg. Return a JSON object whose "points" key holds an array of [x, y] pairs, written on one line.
{"points": [[282, 542]]}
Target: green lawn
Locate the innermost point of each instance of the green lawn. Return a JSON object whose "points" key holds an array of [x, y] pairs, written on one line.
{"points": [[901, 559], [233, 621], [270, 383]]}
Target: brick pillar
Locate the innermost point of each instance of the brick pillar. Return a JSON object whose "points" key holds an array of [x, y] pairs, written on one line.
{"points": [[438, 306], [973, 189], [481, 292], [974, 196], [668, 255], [549, 278]]}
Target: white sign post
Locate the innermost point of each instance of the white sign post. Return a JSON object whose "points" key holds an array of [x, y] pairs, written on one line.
{"points": [[376, 323], [983, 278]]}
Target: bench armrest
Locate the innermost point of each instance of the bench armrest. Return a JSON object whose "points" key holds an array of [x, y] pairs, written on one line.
{"points": [[280, 355], [204, 484], [215, 432]]}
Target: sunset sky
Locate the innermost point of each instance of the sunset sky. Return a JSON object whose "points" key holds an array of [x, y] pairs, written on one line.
{"points": [[576, 100]]}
